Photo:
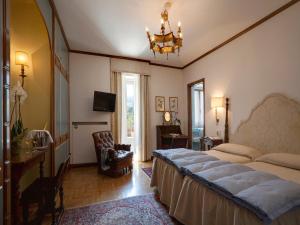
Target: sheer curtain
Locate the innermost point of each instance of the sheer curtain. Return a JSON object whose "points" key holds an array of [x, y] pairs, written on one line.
{"points": [[144, 117], [116, 120]]}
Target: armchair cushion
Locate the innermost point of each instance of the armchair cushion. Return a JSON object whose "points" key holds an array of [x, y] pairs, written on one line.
{"points": [[121, 155], [122, 147]]}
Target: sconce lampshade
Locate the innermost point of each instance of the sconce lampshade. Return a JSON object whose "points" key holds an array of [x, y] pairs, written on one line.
{"points": [[217, 102], [21, 58]]}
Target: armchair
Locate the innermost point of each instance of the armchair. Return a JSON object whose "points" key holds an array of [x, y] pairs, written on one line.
{"points": [[113, 159]]}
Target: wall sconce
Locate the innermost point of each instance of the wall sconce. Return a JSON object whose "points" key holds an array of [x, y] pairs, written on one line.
{"points": [[22, 60], [217, 102]]}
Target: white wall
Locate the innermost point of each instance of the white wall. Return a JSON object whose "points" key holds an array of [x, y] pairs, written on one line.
{"points": [[263, 61], [168, 83], [89, 73]]}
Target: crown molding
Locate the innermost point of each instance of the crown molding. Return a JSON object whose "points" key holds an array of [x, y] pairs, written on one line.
{"points": [[123, 57]]}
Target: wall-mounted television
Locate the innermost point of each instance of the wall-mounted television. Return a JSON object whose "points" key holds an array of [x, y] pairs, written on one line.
{"points": [[104, 102]]}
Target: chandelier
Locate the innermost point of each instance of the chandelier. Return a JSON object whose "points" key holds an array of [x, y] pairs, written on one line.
{"points": [[165, 43]]}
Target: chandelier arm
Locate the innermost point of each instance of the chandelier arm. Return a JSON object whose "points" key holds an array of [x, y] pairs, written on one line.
{"points": [[169, 26]]}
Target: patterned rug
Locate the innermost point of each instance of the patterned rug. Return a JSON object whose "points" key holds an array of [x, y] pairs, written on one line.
{"points": [[138, 210], [148, 171]]}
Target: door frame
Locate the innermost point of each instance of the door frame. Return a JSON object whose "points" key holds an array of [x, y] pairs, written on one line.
{"points": [[5, 119], [189, 88]]}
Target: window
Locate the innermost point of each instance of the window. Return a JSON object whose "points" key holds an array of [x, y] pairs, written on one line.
{"points": [[131, 111]]}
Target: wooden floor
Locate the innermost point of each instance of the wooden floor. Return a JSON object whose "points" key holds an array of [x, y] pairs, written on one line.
{"points": [[83, 186]]}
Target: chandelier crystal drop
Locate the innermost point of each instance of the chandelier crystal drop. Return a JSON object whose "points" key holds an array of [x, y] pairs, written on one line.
{"points": [[165, 43]]}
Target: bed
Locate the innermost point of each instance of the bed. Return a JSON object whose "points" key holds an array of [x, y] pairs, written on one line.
{"points": [[274, 128], [216, 209], [259, 132], [168, 180]]}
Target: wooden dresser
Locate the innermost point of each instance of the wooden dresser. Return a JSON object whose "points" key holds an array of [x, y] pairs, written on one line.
{"points": [[170, 136]]}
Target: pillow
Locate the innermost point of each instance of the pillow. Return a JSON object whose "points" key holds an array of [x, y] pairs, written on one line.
{"points": [[281, 159], [236, 149]]}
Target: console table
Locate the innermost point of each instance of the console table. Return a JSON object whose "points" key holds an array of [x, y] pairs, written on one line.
{"points": [[19, 166]]}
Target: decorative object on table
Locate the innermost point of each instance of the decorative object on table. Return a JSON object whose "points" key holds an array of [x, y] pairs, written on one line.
{"points": [[176, 121], [143, 210], [217, 102], [167, 118], [159, 103], [148, 171], [22, 60], [165, 43], [40, 139], [18, 132], [173, 104], [210, 142]]}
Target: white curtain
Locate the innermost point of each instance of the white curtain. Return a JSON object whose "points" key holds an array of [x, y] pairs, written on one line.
{"points": [[116, 120], [144, 115]]}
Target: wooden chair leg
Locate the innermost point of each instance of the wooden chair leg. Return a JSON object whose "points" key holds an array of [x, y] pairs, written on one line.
{"points": [[41, 211], [61, 197], [53, 211], [25, 213]]}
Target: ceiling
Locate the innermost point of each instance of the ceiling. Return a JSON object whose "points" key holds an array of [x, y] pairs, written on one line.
{"points": [[117, 27]]}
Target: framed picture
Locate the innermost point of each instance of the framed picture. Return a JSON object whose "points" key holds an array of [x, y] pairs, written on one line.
{"points": [[173, 104], [159, 103]]}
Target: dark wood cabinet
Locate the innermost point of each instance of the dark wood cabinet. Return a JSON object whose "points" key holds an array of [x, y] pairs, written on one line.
{"points": [[170, 136]]}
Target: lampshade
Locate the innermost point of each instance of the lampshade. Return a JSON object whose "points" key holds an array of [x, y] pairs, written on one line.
{"points": [[217, 102], [21, 58]]}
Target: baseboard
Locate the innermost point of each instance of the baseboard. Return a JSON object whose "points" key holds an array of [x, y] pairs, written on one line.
{"points": [[77, 165]]}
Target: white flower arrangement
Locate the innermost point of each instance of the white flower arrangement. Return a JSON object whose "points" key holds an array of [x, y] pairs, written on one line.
{"points": [[18, 92]]}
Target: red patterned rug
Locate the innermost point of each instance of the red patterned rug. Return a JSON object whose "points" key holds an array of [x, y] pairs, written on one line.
{"points": [[138, 210], [148, 171]]}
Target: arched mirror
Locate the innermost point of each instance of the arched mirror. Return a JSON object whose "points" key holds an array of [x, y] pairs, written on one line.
{"points": [[167, 118]]}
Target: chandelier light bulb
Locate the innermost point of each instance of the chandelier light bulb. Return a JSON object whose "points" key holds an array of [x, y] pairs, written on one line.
{"points": [[179, 24], [146, 29], [180, 35], [162, 21]]}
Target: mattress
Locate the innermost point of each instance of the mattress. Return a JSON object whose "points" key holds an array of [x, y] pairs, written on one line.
{"points": [[168, 180], [199, 205]]}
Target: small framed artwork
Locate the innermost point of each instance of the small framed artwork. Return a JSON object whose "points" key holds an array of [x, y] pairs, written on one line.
{"points": [[173, 104], [159, 103]]}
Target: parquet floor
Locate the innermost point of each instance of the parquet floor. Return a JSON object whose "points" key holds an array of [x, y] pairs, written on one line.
{"points": [[84, 186]]}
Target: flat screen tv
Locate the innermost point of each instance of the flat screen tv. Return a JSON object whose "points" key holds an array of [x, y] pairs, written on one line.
{"points": [[104, 102]]}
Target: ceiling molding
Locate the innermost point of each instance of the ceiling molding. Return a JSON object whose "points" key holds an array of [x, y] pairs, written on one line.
{"points": [[123, 57], [59, 22], [261, 21]]}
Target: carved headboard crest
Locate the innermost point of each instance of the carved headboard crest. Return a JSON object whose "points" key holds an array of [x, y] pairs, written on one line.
{"points": [[273, 126]]}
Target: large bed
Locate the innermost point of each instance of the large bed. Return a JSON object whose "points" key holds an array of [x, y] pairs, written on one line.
{"points": [[168, 180], [268, 130]]}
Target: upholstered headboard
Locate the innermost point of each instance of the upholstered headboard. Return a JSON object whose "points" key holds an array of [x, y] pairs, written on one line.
{"points": [[273, 126]]}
